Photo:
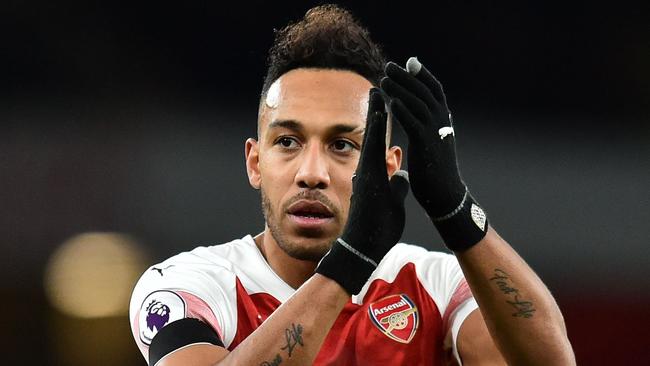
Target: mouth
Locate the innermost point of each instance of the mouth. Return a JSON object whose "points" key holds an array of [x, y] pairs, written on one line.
{"points": [[310, 214]]}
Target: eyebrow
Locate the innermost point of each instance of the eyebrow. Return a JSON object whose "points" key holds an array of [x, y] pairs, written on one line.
{"points": [[298, 127], [289, 124]]}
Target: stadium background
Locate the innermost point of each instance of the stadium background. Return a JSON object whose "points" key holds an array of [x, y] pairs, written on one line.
{"points": [[124, 122]]}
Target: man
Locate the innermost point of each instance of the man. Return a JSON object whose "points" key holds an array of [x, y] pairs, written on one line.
{"points": [[325, 282]]}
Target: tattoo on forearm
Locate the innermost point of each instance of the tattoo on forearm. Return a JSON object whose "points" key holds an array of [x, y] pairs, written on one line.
{"points": [[275, 362], [293, 336], [524, 308]]}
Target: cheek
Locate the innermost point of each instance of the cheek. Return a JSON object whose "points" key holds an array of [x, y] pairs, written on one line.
{"points": [[345, 189], [276, 179]]}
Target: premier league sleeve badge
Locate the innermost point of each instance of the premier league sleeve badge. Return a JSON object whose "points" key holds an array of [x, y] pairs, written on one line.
{"points": [[157, 310]]}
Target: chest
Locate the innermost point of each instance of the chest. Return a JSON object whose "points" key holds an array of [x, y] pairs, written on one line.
{"points": [[392, 327], [397, 324]]}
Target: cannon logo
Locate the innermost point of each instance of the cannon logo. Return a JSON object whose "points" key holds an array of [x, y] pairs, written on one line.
{"points": [[396, 316]]}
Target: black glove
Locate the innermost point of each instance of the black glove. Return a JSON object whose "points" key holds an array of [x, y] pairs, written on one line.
{"points": [[420, 106], [376, 219]]}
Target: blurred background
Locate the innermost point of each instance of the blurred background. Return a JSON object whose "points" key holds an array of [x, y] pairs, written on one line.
{"points": [[121, 143]]}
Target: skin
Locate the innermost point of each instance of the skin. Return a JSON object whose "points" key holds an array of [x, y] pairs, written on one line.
{"points": [[520, 313], [290, 162]]}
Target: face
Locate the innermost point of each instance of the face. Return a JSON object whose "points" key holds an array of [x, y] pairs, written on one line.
{"points": [[310, 132]]}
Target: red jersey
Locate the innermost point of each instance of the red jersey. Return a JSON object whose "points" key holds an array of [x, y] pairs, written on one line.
{"points": [[408, 312]]}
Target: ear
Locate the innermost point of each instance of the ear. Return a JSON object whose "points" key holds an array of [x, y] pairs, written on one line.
{"points": [[253, 163], [393, 159]]}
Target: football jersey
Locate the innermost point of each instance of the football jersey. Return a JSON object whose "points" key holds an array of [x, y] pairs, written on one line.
{"points": [[408, 312]]}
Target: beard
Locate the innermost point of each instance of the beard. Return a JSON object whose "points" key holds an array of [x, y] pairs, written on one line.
{"points": [[298, 249]]}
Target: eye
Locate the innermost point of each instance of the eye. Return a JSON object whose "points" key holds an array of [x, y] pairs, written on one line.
{"points": [[343, 146], [287, 142]]}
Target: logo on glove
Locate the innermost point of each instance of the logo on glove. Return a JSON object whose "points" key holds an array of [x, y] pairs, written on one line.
{"points": [[396, 316], [478, 216], [446, 131]]}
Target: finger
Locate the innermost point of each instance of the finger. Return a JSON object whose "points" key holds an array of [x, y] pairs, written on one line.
{"points": [[399, 186], [411, 83], [415, 68], [412, 126], [373, 149], [417, 107], [375, 101], [375, 105]]}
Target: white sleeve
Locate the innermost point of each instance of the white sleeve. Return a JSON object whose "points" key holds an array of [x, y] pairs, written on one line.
{"points": [[441, 276], [457, 319], [443, 279], [183, 287]]}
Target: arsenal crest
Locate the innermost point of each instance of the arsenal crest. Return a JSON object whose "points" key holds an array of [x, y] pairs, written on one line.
{"points": [[396, 316]]}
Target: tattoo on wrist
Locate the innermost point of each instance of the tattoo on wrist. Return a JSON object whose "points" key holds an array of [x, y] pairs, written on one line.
{"points": [[524, 308], [293, 337]]}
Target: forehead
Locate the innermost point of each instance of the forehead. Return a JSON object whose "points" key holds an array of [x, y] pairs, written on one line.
{"points": [[316, 96]]}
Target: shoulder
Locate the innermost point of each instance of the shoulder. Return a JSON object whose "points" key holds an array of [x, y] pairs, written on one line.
{"points": [[424, 261], [438, 273], [197, 268], [200, 283]]}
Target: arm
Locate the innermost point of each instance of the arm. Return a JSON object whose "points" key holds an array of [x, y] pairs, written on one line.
{"points": [[295, 332], [520, 313], [292, 335], [475, 344]]}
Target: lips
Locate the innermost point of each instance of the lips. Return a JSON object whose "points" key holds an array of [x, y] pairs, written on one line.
{"points": [[311, 209], [310, 214]]}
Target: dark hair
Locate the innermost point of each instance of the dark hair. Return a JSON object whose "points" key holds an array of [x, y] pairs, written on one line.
{"points": [[328, 37]]}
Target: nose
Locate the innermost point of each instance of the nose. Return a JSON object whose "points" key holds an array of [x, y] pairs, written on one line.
{"points": [[313, 170]]}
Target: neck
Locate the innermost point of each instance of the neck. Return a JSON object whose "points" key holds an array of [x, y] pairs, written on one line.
{"points": [[292, 271]]}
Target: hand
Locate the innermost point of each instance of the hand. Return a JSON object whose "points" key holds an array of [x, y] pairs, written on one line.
{"points": [[376, 219], [418, 103]]}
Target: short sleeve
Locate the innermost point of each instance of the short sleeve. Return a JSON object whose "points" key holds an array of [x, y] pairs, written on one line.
{"points": [[444, 280], [457, 318], [183, 287]]}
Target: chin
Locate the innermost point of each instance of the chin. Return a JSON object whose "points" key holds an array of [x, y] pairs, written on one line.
{"points": [[307, 243], [307, 248]]}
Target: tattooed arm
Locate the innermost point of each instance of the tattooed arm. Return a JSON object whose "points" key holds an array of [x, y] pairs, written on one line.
{"points": [[292, 335], [520, 313]]}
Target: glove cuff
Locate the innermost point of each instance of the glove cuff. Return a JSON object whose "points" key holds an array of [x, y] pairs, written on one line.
{"points": [[347, 266], [465, 226]]}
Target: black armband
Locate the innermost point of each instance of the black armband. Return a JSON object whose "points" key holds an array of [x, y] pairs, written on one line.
{"points": [[178, 334]]}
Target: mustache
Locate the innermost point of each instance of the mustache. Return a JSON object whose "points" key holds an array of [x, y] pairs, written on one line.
{"points": [[312, 195]]}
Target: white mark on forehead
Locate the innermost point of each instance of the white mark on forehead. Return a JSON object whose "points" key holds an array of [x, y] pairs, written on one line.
{"points": [[273, 95], [364, 104]]}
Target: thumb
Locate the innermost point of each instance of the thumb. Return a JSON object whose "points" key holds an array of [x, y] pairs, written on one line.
{"points": [[399, 186]]}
